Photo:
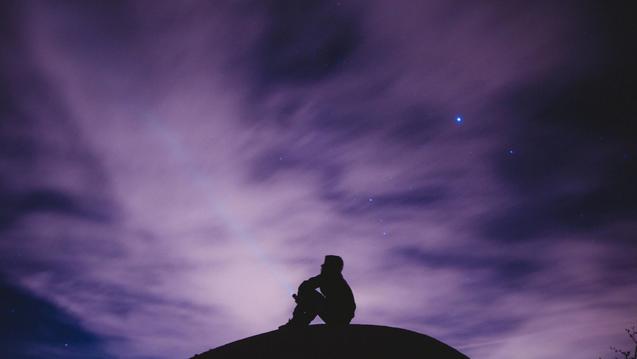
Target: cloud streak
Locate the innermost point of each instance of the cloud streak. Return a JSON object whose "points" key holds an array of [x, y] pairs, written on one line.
{"points": [[170, 173]]}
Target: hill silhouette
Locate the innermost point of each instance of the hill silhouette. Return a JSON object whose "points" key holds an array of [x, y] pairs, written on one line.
{"points": [[322, 341]]}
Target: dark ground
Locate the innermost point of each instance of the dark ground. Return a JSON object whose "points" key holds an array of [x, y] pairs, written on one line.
{"points": [[321, 341]]}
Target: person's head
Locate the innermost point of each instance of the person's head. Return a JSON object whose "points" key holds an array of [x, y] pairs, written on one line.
{"points": [[332, 265]]}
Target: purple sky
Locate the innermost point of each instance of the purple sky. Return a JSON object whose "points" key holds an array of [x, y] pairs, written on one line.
{"points": [[171, 171]]}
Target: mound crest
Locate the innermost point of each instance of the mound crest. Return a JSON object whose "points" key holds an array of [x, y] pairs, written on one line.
{"points": [[321, 341]]}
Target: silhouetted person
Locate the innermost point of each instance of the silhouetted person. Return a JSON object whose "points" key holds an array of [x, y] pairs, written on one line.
{"points": [[334, 304]]}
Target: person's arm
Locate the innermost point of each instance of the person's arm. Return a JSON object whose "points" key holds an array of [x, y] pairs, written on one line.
{"points": [[310, 284]]}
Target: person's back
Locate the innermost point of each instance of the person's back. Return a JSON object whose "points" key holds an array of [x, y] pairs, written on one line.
{"points": [[338, 296]]}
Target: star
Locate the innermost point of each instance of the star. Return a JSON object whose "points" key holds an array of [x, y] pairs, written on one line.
{"points": [[459, 120]]}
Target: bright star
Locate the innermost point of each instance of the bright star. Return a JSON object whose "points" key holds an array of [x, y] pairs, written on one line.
{"points": [[458, 120]]}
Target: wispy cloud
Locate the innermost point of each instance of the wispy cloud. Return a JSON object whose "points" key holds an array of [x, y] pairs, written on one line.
{"points": [[170, 173]]}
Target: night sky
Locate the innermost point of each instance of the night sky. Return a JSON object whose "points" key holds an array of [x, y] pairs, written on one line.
{"points": [[170, 171]]}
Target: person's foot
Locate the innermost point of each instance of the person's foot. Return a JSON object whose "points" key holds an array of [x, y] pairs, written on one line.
{"points": [[291, 324]]}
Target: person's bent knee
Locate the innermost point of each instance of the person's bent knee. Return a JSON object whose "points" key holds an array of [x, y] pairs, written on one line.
{"points": [[311, 298], [310, 294]]}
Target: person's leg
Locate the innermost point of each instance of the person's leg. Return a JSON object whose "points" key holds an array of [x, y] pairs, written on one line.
{"points": [[309, 304]]}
